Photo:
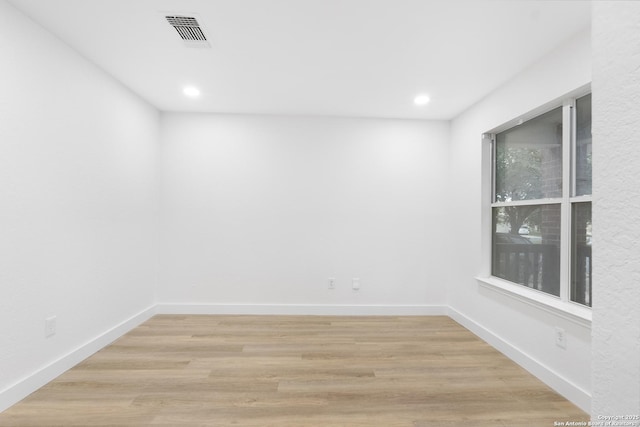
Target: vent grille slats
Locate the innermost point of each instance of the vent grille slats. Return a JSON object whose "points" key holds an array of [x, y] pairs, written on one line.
{"points": [[183, 21], [191, 33], [189, 30]]}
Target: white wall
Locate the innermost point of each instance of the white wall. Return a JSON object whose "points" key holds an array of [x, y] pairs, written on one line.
{"points": [[262, 210], [524, 332], [616, 312], [78, 199]]}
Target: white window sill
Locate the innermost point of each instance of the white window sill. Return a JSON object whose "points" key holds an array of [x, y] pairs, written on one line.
{"points": [[569, 310]]}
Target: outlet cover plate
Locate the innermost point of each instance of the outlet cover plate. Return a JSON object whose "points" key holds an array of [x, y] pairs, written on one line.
{"points": [[561, 338], [50, 326]]}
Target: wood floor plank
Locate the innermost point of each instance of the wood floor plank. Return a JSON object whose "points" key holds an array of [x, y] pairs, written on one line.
{"points": [[297, 371]]}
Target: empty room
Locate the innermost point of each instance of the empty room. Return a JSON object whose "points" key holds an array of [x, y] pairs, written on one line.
{"points": [[319, 213]]}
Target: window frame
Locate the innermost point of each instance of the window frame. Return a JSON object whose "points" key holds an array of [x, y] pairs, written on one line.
{"points": [[562, 304]]}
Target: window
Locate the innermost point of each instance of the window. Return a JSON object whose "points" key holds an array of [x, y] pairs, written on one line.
{"points": [[541, 202]]}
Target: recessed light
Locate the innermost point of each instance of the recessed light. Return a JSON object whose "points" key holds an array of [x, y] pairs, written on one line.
{"points": [[422, 99], [191, 91]]}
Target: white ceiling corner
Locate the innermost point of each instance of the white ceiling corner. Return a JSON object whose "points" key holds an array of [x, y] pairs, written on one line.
{"points": [[362, 58]]}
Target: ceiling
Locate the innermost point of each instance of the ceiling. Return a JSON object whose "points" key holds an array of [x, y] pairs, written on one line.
{"points": [[357, 58]]}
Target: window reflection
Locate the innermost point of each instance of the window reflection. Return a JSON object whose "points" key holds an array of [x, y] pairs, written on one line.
{"points": [[526, 246], [528, 159], [581, 261], [583, 146]]}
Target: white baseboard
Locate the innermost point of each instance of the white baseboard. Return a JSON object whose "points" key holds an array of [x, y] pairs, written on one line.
{"points": [[566, 388], [18, 391], [304, 309]]}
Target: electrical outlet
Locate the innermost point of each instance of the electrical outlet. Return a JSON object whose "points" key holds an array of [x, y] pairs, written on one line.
{"points": [[355, 283], [50, 326], [561, 338], [332, 282]]}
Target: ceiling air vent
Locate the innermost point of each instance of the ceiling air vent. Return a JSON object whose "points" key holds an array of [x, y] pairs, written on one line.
{"points": [[189, 30]]}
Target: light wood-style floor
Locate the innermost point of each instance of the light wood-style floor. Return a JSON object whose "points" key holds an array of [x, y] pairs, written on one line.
{"points": [[288, 371]]}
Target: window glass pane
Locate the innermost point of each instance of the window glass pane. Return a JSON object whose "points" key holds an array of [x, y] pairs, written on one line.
{"points": [[526, 246], [581, 264], [583, 146], [528, 159]]}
